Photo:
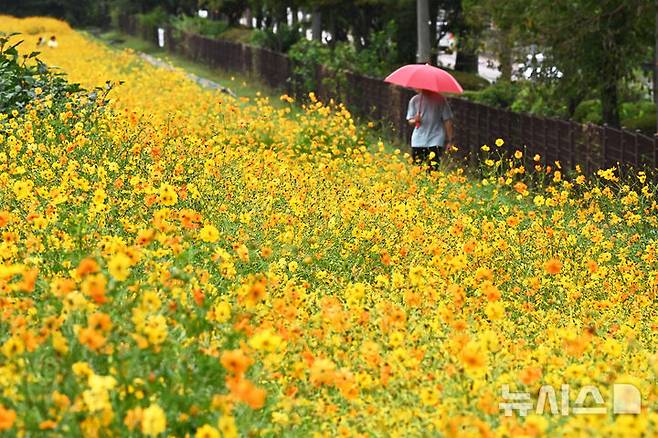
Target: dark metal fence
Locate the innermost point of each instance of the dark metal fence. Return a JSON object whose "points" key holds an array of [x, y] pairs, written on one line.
{"points": [[590, 146]]}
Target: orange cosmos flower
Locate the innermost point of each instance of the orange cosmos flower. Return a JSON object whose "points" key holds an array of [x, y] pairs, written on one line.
{"points": [[7, 418], [553, 266], [87, 266], [322, 372], [235, 361], [91, 338], [520, 187], [491, 291], [47, 425], [469, 246], [94, 286], [386, 258], [29, 280], [530, 375], [4, 218], [257, 292], [512, 221], [100, 321], [246, 392], [265, 252]]}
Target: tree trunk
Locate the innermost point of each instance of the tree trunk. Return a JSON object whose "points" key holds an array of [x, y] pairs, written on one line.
{"points": [[259, 18], [316, 25], [505, 58], [467, 56], [248, 17], [467, 60], [655, 68], [434, 15], [282, 16], [423, 16], [610, 103]]}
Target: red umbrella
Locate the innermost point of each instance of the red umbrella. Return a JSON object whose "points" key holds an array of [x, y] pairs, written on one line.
{"points": [[425, 77]]}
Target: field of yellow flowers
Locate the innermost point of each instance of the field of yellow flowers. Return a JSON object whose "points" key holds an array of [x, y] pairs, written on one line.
{"points": [[181, 263]]}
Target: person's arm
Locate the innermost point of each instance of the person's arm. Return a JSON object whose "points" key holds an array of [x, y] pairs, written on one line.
{"points": [[412, 113], [450, 133]]}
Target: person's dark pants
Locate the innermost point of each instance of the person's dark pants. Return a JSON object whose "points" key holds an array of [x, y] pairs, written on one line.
{"points": [[422, 156]]}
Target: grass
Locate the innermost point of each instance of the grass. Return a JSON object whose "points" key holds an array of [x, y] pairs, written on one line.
{"points": [[238, 35]]}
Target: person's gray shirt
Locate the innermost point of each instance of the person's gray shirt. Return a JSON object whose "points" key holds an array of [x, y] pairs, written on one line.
{"points": [[434, 110]]}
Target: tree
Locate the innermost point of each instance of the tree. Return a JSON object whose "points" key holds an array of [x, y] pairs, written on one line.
{"points": [[423, 33], [231, 9], [504, 24], [588, 46], [467, 33], [593, 44], [76, 12]]}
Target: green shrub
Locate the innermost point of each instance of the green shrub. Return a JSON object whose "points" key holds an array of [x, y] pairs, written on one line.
{"points": [[200, 26], [588, 111], [305, 56], [25, 78], [636, 110], [281, 41], [155, 18], [644, 122], [501, 94], [378, 59], [469, 81]]}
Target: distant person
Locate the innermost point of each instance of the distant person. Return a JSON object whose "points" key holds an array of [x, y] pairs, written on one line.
{"points": [[431, 117], [52, 42], [41, 41]]}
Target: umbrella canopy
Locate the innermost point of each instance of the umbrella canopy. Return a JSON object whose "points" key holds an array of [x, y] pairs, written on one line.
{"points": [[425, 77]]}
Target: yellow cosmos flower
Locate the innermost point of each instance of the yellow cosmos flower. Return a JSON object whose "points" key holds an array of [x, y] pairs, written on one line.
{"points": [[495, 311], [209, 233], [23, 189], [14, 346], [119, 267], [474, 357], [227, 427], [167, 195], [222, 311], [154, 420], [207, 431], [265, 341]]}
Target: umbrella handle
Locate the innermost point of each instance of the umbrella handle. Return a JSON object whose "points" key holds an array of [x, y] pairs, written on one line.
{"points": [[420, 105]]}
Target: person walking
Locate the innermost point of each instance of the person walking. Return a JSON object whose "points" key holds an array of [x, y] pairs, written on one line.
{"points": [[430, 115]]}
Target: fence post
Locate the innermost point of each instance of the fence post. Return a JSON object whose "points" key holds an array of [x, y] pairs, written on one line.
{"points": [[636, 148], [572, 148], [604, 140]]}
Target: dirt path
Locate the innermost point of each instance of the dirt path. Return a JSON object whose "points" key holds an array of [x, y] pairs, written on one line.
{"points": [[205, 83]]}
